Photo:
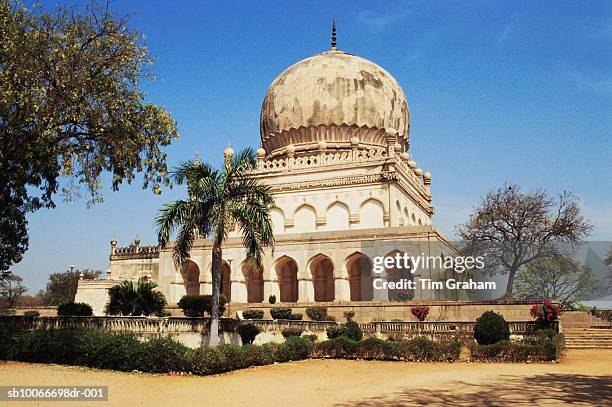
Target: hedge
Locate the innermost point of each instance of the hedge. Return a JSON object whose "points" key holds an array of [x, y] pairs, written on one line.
{"points": [[252, 314], [531, 348], [71, 308], [419, 349], [123, 351], [196, 305]]}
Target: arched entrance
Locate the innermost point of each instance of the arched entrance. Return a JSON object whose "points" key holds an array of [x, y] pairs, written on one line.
{"points": [[399, 274], [226, 280], [322, 270], [359, 267], [191, 278], [253, 277], [286, 272]]}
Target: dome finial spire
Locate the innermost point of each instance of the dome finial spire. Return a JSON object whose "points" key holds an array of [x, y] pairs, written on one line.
{"points": [[333, 38]]}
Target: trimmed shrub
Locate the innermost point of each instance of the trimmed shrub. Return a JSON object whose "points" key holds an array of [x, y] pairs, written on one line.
{"points": [[317, 313], [294, 348], [311, 337], [287, 332], [420, 313], [272, 299], [424, 349], [335, 331], [491, 328], [340, 347], [295, 316], [532, 348], [253, 314], [197, 305], [280, 312], [31, 313], [349, 315], [205, 361], [352, 331], [248, 332], [79, 309], [373, 348], [162, 355]]}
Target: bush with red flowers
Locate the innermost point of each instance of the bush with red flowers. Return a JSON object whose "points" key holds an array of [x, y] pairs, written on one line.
{"points": [[545, 314], [420, 312]]}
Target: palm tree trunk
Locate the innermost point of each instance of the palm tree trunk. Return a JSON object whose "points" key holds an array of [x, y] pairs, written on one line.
{"points": [[217, 256]]}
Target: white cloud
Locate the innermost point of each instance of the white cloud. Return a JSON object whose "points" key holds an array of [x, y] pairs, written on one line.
{"points": [[381, 19]]}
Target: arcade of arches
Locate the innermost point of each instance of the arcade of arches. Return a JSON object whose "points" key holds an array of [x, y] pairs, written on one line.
{"points": [[318, 281]]}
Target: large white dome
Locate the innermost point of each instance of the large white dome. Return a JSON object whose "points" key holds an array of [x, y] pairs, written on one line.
{"points": [[334, 97]]}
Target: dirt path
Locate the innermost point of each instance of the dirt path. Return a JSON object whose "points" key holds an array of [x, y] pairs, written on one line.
{"points": [[582, 378]]}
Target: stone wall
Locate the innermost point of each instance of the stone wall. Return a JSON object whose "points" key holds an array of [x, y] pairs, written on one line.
{"points": [[369, 311], [193, 332]]}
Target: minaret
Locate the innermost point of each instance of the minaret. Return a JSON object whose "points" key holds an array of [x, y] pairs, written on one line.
{"points": [[333, 38]]}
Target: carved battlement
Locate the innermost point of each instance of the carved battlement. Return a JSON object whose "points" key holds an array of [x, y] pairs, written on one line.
{"points": [[133, 251]]}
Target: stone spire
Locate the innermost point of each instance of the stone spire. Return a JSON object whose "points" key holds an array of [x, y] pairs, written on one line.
{"points": [[333, 38]]}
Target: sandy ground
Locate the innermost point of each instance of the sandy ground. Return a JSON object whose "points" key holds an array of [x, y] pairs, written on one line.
{"points": [[584, 377]]}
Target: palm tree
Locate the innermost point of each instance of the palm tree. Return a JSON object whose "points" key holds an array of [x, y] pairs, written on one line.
{"points": [[218, 200]]}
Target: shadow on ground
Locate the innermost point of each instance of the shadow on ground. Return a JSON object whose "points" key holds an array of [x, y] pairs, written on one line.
{"points": [[550, 389]]}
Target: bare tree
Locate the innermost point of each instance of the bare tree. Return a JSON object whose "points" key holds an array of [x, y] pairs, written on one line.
{"points": [[11, 289], [514, 228]]}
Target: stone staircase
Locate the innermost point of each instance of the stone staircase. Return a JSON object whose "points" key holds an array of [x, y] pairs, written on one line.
{"points": [[588, 338], [585, 331]]}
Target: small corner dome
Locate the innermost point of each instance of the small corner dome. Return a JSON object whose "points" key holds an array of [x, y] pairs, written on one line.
{"points": [[333, 96]]}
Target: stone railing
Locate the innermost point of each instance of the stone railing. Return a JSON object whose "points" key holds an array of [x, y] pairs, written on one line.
{"points": [[139, 325], [322, 159], [434, 327]]}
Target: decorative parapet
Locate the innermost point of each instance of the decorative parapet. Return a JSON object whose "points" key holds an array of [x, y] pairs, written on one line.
{"points": [[322, 159], [135, 252]]}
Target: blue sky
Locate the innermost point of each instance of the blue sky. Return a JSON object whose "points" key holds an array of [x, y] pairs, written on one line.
{"points": [[498, 92]]}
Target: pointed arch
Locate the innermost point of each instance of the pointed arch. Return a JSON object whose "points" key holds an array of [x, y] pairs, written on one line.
{"points": [[286, 271], [190, 272], [359, 268], [397, 274], [337, 216], [253, 277], [226, 280], [305, 219], [371, 214], [321, 268]]}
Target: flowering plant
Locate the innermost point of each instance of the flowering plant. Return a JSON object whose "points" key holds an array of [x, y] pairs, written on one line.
{"points": [[547, 311], [420, 312]]}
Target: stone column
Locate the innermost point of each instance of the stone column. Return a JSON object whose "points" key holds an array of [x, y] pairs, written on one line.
{"points": [[305, 289], [342, 289], [271, 287]]}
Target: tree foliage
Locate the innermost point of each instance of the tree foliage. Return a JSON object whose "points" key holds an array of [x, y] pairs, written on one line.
{"points": [[11, 288], [71, 108], [608, 259], [62, 287], [219, 200], [514, 228], [556, 278], [135, 299]]}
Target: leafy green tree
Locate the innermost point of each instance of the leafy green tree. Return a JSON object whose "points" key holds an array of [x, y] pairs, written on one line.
{"points": [[135, 299], [62, 287], [514, 228], [71, 108], [556, 278], [217, 201]]}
